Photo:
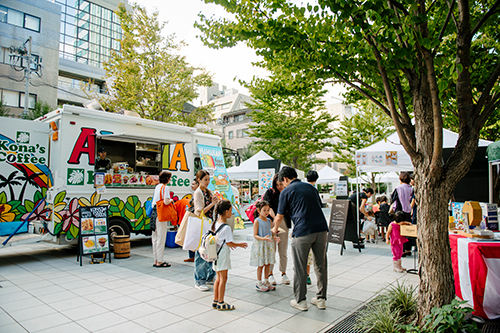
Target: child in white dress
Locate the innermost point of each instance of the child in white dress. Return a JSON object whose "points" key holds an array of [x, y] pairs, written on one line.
{"points": [[263, 247], [223, 262]]}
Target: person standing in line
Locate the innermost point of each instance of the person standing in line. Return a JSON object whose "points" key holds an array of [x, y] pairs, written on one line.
{"points": [[203, 202], [383, 218], [159, 236], [194, 187], [272, 196], [223, 211], [310, 231], [401, 202], [361, 204], [312, 177], [263, 247], [394, 238]]}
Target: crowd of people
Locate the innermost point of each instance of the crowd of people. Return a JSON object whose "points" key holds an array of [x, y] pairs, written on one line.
{"points": [[289, 199]]}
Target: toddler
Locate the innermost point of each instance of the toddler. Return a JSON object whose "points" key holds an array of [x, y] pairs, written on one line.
{"points": [[396, 240], [263, 247]]}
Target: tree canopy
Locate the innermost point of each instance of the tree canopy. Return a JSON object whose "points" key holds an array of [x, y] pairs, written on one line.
{"points": [[148, 75], [366, 126], [292, 128], [415, 60]]}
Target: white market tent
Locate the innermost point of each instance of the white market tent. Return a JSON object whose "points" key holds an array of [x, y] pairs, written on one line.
{"points": [[389, 155], [328, 175], [249, 169]]}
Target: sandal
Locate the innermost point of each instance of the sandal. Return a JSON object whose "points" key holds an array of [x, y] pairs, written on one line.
{"points": [[223, 306], [163, 264], [214, 304]]}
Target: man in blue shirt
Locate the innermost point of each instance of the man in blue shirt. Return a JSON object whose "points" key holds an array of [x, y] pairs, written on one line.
{"points": [[310, 232]]}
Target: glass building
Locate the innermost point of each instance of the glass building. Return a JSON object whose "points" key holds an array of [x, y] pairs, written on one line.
{"points": [[89, 32]]}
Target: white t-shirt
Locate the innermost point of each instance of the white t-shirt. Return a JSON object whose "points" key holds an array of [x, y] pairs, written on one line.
{"points": [[156, 195], [225, 234]]}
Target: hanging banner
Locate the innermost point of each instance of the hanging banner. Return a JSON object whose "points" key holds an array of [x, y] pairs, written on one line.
{"points": [[212, 160]]}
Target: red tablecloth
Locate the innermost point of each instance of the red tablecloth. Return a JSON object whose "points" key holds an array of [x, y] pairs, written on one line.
{"points": [[476, 269]]}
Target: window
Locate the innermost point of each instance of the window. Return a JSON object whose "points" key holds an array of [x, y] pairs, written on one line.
{"points": [[230, 135], [16, 99], [94, 30], [239, 133], [225, 106], [239, 117], [245, 132], [20, 19]]}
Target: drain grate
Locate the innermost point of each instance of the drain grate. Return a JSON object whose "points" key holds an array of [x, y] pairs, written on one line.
{"points": [[347, 325], [491, 328]]}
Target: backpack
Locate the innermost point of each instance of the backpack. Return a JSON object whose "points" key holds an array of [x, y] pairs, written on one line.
{"points": [[208, 249]]}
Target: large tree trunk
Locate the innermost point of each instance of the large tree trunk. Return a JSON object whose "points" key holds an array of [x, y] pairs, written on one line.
{"points": [[435, 271]]}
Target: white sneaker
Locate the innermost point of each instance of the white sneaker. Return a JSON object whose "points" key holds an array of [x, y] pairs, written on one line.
{"points": [[272, 280], [302, 306], [319, 302], [201, 287], [285, 279], [269, 285], [261, 287]]}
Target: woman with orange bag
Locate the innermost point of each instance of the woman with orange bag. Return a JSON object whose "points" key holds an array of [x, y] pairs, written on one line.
{"points": [[159, 236]]}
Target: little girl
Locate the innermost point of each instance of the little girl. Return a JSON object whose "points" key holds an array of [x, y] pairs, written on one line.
{"points": [[396, 240], [225, 239], [263, 247], [369, 227]]}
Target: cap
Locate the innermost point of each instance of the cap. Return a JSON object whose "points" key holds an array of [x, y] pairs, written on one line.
{"points": [[101, 150]]}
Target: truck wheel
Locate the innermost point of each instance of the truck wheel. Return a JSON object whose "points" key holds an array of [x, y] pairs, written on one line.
{"points": [[118, 228]]}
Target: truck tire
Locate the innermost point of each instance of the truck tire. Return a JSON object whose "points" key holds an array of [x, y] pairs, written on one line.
{"points": [[118, 227]]}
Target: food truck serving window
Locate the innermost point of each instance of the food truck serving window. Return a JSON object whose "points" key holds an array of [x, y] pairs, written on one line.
{"points": [[135, 161]]}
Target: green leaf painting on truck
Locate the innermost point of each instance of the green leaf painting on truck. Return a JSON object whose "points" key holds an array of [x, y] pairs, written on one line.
{"points": [[3, 198], [116, 207]]}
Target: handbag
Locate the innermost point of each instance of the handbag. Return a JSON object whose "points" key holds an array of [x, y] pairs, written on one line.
{"points": [[181, 232], [165, 212], [250, 211], [196, 227]]}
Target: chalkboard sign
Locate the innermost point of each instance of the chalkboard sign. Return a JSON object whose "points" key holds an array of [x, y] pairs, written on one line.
{"points": [[93, 235], [338, 219], [342, 224]]}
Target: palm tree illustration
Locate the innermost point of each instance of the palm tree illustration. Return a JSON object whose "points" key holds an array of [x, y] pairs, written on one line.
{"points": [[9, 181], [27, 179]]}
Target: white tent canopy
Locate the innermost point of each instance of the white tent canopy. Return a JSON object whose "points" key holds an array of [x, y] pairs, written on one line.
{"points": [[328, 175], [389, 155], [248, 169]]}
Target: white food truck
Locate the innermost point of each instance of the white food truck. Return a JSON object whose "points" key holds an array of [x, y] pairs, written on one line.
{"points": [[54, 157]]}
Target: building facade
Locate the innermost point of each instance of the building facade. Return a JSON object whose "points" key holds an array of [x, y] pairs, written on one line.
{"points": [[73, 37], [20, 20]]}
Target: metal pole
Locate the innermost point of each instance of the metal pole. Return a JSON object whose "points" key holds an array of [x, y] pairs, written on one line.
{"points": [[27, 76]]}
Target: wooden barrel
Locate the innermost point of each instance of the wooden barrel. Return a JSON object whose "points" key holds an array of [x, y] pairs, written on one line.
{"points": [[121, 247]]}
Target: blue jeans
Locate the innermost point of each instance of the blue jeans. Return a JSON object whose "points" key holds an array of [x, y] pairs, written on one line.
{"points": [[203, 271]]}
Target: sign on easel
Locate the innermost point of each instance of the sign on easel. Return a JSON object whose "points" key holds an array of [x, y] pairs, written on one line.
{"points": [[93, 236], [338, 224]]}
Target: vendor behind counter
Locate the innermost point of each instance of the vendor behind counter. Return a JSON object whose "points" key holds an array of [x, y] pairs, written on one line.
{"points": [[102, 163]]}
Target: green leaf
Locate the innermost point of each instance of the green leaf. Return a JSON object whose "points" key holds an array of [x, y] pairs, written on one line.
{"points": [[3, 198], [37, 196], [59, 197], [73, 232], [29, 205], [116, 207], [57, 228]]}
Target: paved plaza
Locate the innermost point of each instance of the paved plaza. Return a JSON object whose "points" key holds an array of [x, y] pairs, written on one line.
{"points": [[44, 289]]}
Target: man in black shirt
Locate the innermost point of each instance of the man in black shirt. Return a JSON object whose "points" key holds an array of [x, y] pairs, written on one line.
{"points": [[102, 163], [363, 197], [310, 232]]}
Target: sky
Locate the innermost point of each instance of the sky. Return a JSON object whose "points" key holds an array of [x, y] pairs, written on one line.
{"points": [[227, 65]]}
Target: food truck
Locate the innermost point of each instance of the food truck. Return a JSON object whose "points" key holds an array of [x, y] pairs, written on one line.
{"points": [[48, 164]]}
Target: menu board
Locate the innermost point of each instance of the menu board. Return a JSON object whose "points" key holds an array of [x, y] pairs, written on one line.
{"points": [[338, 219], [93, 231]]}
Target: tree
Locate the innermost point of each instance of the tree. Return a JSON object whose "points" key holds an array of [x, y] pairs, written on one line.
{"points": [[40, 109], [410, 58], [365, 127], [148, 76], [4, 111], [291, 128]]}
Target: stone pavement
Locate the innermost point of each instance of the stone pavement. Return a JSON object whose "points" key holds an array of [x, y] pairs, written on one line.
{"points": [[43, 289]]}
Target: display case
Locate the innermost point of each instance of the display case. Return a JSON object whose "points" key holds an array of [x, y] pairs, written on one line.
{"points": [[147, 157]]}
